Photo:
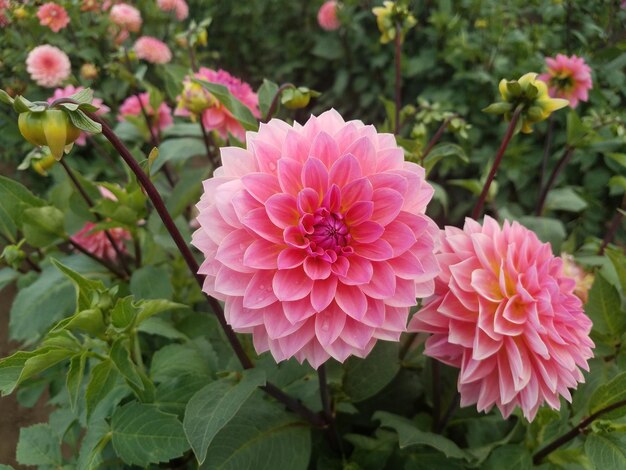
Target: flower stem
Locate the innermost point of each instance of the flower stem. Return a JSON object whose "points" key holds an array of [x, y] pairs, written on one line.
{"points": [[435, 139], [575, 431], [192, 264], [615, 224], [89, 202], [436, 378], [567, 155], [505, 143], [274, 103], [546, 150], [398, 61], [333, 435], [102, 261]]}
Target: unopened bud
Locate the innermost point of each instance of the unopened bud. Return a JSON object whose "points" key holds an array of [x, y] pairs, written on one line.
{"points": [[51, 128]]}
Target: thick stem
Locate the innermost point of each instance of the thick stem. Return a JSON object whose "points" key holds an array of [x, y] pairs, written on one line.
{"points": [[546, 150], [435, 139], [436, 378], [567, 155], [575, 431], [89, 202], [613, 228], [398, 61], [333, 435], [496, 164], [274, 103], [159, 206]]}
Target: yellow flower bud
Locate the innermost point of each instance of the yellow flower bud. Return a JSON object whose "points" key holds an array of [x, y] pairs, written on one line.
{"points": [[43, 164], [194, 98], [20, 13], [52, 128], [89, 72]]}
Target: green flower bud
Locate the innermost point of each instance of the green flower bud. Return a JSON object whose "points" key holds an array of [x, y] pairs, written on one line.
{"points": [[51, 127], [13, 256]]}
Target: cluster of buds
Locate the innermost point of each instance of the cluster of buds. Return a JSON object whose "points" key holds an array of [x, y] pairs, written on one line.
{"points": [[530, 97], [297, 97], [195, 99], [393, 18]]}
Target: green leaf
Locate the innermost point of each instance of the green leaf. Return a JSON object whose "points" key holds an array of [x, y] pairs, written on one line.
{"points": [[83, 96], [172, 396], [84, 287], [510, 457], [14, 198], [213, 406], [124, 313], [160, 327], [267, 92], [103, 378], [6, 98], [178, 359], [75, 378], [143, 434], [187, 191], [608, 394], [38, 445], [261, 429], [606, 452], [604, 308], [44, 359], [364, 378], [120, 356], [442, 151], [84, 122], [149, 308], [565, 199], [547, 229], [177, 150], [95, 439], [11, 368], [619, 263], [236, 107], [410, 435], [7, 276], [576, 130], [151, 282], [43, 226]]}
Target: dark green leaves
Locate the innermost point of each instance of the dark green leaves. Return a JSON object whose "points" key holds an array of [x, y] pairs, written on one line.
{"points": [[143, 434], [213, 406], [609, 394], [607, 452], [364, 378], [38, 445], [236, 107], [604, 308]]}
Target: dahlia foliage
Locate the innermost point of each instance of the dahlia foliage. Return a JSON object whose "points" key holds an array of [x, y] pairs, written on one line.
{"points": [[315, 238], [504, 313]]}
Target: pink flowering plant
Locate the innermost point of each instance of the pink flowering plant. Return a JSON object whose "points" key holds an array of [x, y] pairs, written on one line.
{"points": [[315, 234]]}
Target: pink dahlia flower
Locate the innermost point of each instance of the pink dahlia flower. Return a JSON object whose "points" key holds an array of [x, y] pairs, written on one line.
{"points": [[152, 50], [506, 315], [582, 278], [132, 107], [315, 238], [70, 90], [327, 16], [96, 242], [53, 16], [179, 7], [126, 17], [48, 66], [217, 117], [568, 78]]}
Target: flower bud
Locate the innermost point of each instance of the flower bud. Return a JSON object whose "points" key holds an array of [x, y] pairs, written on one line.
{"points": [[89, 71], [297, 98], [20, 13], [42, 165], [51, 127], [13, 256], [195, 98]]}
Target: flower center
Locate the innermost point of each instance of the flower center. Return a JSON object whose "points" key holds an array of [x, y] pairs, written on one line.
{"points": [[562, 81], [329, 231]]}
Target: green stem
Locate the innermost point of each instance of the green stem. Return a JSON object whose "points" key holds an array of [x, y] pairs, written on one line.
{"points": [[567, 155], [435, 139]]}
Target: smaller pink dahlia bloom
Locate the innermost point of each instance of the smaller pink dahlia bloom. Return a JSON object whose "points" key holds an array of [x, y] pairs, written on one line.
{"points": [[53, 16], [152, 50], [126, 17], [48, 66], [132, 107], [96, 242], [327, 16], [179, 7], [217, 117], [70, 90], [506, 315], [315, 237], [583, 279], [568, 78]]}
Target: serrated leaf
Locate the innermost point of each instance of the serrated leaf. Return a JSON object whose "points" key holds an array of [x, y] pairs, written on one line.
{"points": [[364, 378], [213, 406], [142, 434], [172, 396], [409, 435], [608, 394], [510, 457], [178, 359], [149, 308], [565, 199], [160, 327], [103, 378], [442, 151], [177, 150], [43, 226], [75, 378], [120, 356], [236, 107], [267, 92], [619, 263], [84, 122], [261, 428], [604, 308], [151, 282], [14, 198], [123, 314], [83, 96], [576, 130], [84, 287], [38, 445], [11, 368], [606, 452]]}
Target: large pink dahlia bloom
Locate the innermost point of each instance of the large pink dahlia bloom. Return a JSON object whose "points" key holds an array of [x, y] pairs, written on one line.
{"points": [[568, 78], [53, 16], [152, 50], [48, 66], [217, 117], [506, 315], [327, 16], [315, 238]]}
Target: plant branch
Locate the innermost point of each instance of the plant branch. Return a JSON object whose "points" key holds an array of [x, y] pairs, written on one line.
{"points": [[615, 224], [567, 155], [102, 261], [546, 150], [274, 103], [505, 143], [398, 64], [575, 431], [333, 435], [435, 139]]}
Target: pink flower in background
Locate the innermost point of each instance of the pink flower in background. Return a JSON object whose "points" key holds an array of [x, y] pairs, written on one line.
{"points": [[126, 17], [506, 315], [315, 238], [568, 78], [132, 107], [53, 16], [96, 242], [217, 117], [152, 50], [583, 279], [70, 90], [179, 7], [4, 20], [48, 66], [90, 5], [327, 16]]}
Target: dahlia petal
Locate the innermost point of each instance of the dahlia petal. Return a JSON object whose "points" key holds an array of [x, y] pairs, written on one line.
{"points": [[378, 250], [298, 310], [276, 324], [367, 231], [399, 236], [375, 313], [360, 271], [358, 190], [323, 293], [329, 324], [404, 295], [344, 170], [262, 254], [356, 334], [230, 282], [259, 291], [365, 153], [484, 346], [237, 162], [315, 175], [296, 146], [316, 268], [325, 149], [282, 210], [261, 185], [308, 201], [267, 155], [291, 257], [231, 250], [294, 342], [292, 284], [387, 205], [258, 222], [383, 283], [359, 212], [240, 317], [351, 300], [290, 175]]}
